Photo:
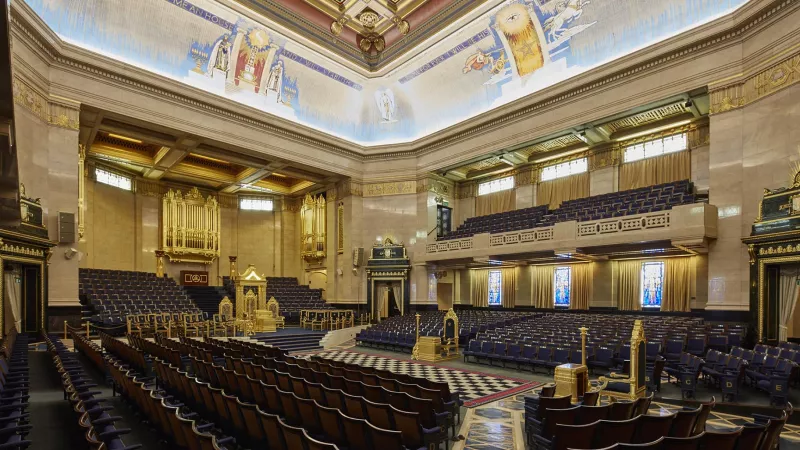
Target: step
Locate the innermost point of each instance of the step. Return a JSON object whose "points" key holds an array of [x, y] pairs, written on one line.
{"points": [[289, 338]]}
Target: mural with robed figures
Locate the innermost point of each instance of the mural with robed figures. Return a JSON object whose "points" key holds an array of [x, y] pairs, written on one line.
{"points": [[516, 48]]}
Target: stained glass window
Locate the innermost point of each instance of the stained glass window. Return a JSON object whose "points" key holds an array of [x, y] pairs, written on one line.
{"points": [[652, 284], [500, 184], [565, 169], [495, 288], [656, 147], [561, 285]]}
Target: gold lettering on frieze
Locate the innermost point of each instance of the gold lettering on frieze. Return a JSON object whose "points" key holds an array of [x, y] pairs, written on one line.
{"points": [[394, 188]]}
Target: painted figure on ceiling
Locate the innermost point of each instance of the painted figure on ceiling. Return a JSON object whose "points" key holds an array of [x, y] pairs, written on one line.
{"points": [[478, 61], [275, 81], [568, 11], [220, 56], [386, 105], [516, 25]]}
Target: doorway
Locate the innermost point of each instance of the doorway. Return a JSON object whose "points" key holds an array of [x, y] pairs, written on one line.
{"points": [[388, 300]]}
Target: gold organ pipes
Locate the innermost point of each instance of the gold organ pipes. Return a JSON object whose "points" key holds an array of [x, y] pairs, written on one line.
{"points": [[190, 227], [312, 219]]}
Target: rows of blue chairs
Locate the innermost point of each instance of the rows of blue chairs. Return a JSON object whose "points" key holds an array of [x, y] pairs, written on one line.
{"points": [[14, 386], [398, 333], [659, 197], [92, 414]]}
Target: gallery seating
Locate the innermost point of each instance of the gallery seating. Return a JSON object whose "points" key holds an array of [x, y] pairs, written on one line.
{"points": [[113, 295], [659, 197], [294, 297]]}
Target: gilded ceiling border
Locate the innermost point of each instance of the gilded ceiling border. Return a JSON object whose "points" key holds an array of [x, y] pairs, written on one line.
{"points": [[55, 111], [774, 78]]}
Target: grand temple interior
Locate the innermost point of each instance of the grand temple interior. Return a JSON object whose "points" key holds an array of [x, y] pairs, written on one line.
{"points": [[280, 224]]}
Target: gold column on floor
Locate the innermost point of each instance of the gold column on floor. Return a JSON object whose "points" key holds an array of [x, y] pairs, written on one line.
{"points": [[159, 263], [415, 350], [232, 259]]}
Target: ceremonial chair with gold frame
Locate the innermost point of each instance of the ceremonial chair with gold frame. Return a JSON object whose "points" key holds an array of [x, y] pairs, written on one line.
{"points": [[450, 336], [272, 305], [191, 324], [319, 322], [157, 323], [634, 385], [224, 319], [304, 321]]}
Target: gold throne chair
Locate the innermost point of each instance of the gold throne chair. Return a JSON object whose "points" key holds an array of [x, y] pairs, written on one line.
{"points": [[634, 384]]}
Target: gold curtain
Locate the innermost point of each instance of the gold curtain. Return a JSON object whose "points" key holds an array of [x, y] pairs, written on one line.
{"points": [[657, 170], [509, 284], [542, 286], [678, 275], [628, 281], [554, 192], [580, 286], [494, 203], [479, 289]]}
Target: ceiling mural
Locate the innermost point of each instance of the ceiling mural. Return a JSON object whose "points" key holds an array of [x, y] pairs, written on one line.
{"points": [[517, 48]]}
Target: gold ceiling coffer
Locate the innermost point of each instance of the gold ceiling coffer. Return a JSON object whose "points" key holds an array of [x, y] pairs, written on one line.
{"points": [[190, 227], [312, 216]]}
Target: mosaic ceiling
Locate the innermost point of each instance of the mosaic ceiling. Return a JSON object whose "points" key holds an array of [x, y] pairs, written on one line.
{"points": [[472, 65]]}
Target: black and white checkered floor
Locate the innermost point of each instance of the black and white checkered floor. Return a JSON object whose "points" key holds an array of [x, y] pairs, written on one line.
{"points": [[475, 388]]}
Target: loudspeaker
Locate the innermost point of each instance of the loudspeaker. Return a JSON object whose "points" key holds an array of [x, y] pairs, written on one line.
{"points": [[358, 256], [66, 228]]}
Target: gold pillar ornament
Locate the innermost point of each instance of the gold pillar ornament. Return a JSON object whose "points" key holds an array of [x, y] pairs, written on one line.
{"points": [[160, 263], [81, 192], [415, 350], [233, 272], [312, 220], [190, 227], [583, 331]]}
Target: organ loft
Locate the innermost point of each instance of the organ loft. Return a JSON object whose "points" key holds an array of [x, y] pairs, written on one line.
{"points": [[399, 224]]}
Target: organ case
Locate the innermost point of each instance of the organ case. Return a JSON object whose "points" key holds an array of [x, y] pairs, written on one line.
{"points": [[190, 227]]}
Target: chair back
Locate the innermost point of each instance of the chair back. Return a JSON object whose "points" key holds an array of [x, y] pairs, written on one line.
{"points": [[652, 427], [684, 422], [614, 431], [721, 441], [681, 443]]}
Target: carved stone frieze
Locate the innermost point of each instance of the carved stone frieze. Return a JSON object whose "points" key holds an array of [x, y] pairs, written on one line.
{"points": [[766, 82], [57, 112], [391, 188]]}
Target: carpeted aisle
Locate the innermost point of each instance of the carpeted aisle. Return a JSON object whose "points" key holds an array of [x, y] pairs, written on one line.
{"points": [[55, 424]]}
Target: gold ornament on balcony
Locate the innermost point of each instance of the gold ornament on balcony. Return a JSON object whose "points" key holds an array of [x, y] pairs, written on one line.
{"points": [[312, 217], [190, 227]]}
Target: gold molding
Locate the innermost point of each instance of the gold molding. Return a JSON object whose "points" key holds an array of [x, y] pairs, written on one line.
{"points": [[390, 188], [81, 191], [22, 250], [340, 229], [777, 77], [62, 113], [762, 264]]}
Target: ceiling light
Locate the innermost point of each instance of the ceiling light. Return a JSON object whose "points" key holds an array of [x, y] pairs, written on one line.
{"points": [[561, 155], [653, 130], [124, 138]]}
